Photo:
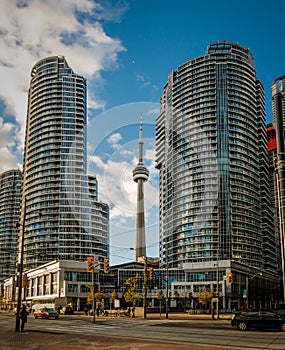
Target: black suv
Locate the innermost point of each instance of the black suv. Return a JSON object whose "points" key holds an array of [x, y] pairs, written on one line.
{"points": [[258, 318]]}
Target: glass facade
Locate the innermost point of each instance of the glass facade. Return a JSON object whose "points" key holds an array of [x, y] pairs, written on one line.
{"points": [[278, 157], [64, 220], [10, 194], [212, 156]]}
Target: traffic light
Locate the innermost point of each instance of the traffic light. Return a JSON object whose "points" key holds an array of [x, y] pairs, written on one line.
{"points": [[151, 273], [230, 277], [106, 265], [89, 264]]}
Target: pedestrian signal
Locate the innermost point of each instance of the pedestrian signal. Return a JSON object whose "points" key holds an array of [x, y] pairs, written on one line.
{"points": [[89, 264], [106, 265]]}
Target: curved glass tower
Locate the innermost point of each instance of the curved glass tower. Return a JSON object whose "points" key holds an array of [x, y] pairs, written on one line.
{"points": [[278, 104], [63, 221], [10, 195], [211, 153]]}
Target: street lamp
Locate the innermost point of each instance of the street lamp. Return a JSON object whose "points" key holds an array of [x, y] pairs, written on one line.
{"points": [[247, 282], [145, 287], [166, 300], [20, 268]]}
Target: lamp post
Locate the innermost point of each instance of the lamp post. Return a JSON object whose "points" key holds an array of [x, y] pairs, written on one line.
{"points": [[20, 269], [247, 282], [145, 287], [166, 300]]}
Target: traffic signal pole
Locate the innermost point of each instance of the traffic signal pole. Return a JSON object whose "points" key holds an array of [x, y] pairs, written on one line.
{"points": [[93, 290], [91, 268]]}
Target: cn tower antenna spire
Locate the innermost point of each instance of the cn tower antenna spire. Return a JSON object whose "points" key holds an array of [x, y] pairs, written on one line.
{"points": [[140, 176], [141, 142]]}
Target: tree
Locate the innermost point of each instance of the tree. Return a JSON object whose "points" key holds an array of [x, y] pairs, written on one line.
{"points": [[131, 294], [114, 295], [89, 296], [99, 296], [204, 297]]}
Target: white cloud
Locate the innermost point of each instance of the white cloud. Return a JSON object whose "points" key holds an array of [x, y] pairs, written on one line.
{"points": [[114, 140], [8, 147], [33, 29], [144, 82], [153, 111], [97, 161], [141, 79]]}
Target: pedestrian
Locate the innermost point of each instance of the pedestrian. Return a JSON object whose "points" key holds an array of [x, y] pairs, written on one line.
{"points": [[213, 311], [129, 311], [86, 310], [23, 317]]}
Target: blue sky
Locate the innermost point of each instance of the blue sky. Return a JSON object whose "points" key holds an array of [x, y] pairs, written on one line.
{"points": [[125, 49]]}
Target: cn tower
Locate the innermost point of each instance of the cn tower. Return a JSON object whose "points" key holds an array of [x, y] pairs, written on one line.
{"points": [[140, 176]]}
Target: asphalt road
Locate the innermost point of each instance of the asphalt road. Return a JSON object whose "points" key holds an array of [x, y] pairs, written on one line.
{"points": [[178, 332]]}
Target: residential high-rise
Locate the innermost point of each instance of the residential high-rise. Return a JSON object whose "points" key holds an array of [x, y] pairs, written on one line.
{"points": [[213, 163], [64, 220], [140, 176], [10, 195], [278, 104]]}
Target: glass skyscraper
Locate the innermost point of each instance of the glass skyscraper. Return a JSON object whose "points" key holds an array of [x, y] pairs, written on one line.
{"points": [[10, 195], [212, 156], [64, 220], [278, 165]]}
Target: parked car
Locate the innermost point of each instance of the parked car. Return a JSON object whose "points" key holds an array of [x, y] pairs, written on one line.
{"points": [[258, 318], [46, 313]]}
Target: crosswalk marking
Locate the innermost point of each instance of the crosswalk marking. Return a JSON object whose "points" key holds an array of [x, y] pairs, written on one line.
{"points": [[64, 326]]}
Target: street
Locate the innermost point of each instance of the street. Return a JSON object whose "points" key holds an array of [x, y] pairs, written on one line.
{"points": [[135, 333]]}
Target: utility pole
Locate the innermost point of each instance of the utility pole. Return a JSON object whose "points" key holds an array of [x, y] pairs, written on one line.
{"points": [[20, 269]]}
